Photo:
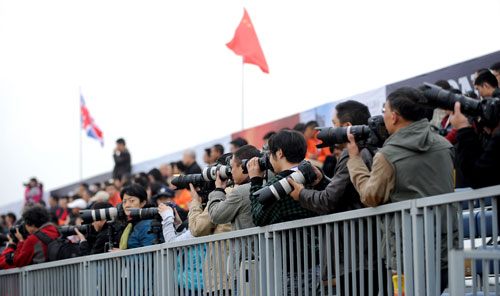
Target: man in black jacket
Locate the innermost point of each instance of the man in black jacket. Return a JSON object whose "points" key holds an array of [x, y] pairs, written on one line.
{"points": [[122, 160], [340, 194], [97, 241], [189, 160], [478, 160]]}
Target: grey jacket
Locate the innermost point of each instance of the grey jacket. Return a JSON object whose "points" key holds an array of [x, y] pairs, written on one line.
{"points": [[234, 208]]}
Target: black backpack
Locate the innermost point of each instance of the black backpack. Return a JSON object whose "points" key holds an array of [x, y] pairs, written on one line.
{"points": [[59, 248]]}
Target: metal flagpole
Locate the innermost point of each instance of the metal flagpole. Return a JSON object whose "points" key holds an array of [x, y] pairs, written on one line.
{"points": [[81, 127], [242, 93]]}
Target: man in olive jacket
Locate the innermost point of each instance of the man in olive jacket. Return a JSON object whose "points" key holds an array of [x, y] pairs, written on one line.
{"points": [[414, 162]]}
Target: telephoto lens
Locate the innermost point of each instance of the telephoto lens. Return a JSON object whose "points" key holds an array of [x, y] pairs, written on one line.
{"points": [[305, 174], [338, 135], [183, 181], [90, 216], [70, 230], [440, 98], [144, 213]]}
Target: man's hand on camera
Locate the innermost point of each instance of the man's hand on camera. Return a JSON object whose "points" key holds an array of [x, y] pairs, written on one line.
{"points": [[163, 207], [81, 237], [195, 198], [10, 240], [19, 236], [296, 188], [352, 147], [319, 176], [253, 168], [458, 119], [219, 183]]}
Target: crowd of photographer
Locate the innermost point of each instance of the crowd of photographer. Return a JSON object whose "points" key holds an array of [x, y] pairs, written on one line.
{"points": [[362, 161]]}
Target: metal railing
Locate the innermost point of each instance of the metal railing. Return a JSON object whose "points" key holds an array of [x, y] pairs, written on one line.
{"points": [[373, 251]]}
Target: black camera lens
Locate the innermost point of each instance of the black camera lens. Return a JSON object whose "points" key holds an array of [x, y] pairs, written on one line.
{"points": [[70, 230], [144, 213], [183, 181], [440, 98], [338, 135]]}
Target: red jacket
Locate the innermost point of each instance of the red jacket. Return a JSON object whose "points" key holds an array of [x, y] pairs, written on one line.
{"points": [[32, 250], [6, 257]]}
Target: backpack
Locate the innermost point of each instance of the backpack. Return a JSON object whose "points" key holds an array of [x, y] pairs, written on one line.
{"points": [[59, 248]]}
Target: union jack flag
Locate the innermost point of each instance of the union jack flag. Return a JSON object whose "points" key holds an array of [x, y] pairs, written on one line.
{"points": [[88, 123]]}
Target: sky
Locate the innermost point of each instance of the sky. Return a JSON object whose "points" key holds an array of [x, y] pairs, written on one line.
{"points": [[158, 73]]}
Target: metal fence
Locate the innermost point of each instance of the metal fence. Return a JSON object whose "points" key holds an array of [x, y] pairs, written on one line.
{"points": [[374, 251]]}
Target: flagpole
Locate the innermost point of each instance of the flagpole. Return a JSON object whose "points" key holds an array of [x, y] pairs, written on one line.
{"points": [[242, 93], [80, 129]]}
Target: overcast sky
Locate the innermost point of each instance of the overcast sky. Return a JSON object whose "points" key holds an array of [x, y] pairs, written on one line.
{"points": [[158, 73]]}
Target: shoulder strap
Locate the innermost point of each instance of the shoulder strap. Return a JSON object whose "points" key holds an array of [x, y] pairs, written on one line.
{"points": [[43, 237]]}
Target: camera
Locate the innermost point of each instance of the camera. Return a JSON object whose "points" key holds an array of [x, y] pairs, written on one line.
{"points": [[264, 164], [70, 230], [107, 214], [147, 213], [372, 135], [488, 109], [210, 172], [305, 174], [12, 232], [183, 181]]}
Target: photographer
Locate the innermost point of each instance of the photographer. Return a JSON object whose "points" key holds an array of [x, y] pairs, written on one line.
{"points": [[413, 162], [96, 242], [33, 250], [235, 207], [340, 194], [135, 233], [479, 162], [287, 149], [487, 84]]}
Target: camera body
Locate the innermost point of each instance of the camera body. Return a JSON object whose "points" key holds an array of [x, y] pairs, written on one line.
{"points": [[304, 174], [264, 164], [372, 135], [488, 109]]}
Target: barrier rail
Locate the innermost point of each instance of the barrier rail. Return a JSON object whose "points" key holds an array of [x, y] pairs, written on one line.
{"points": [[346, 253]]}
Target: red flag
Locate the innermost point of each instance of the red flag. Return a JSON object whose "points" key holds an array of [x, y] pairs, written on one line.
{"points": [[246, 44]]}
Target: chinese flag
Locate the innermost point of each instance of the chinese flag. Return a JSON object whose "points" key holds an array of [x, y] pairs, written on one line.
{"points": [[246, 44]]}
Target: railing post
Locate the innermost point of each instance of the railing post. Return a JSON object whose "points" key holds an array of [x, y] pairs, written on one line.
{"points": [[408, 253], [418, 250], [263, 261], [168, 273], [456, 271], [269, 263]]}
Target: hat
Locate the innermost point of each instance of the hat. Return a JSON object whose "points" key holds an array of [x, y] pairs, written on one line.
{"points": [[100, 196], [164, 191], [78, 203], [109, 182]]}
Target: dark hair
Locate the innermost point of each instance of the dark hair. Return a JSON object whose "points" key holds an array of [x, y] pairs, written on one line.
{"points": [[292, 143], [486, 77], [269, 135], [300, 127], [495, 67], [36, 216], [239, 142], [134, 190], [245, 152], [120, 141], [144, 182], [12, 216], [443, 84], [156, 174], [54, 197], [207, 150], [85, 185], [312, 123], [353, 112], [101, 205], [180, 166], [407, 102], [219, 148]]}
